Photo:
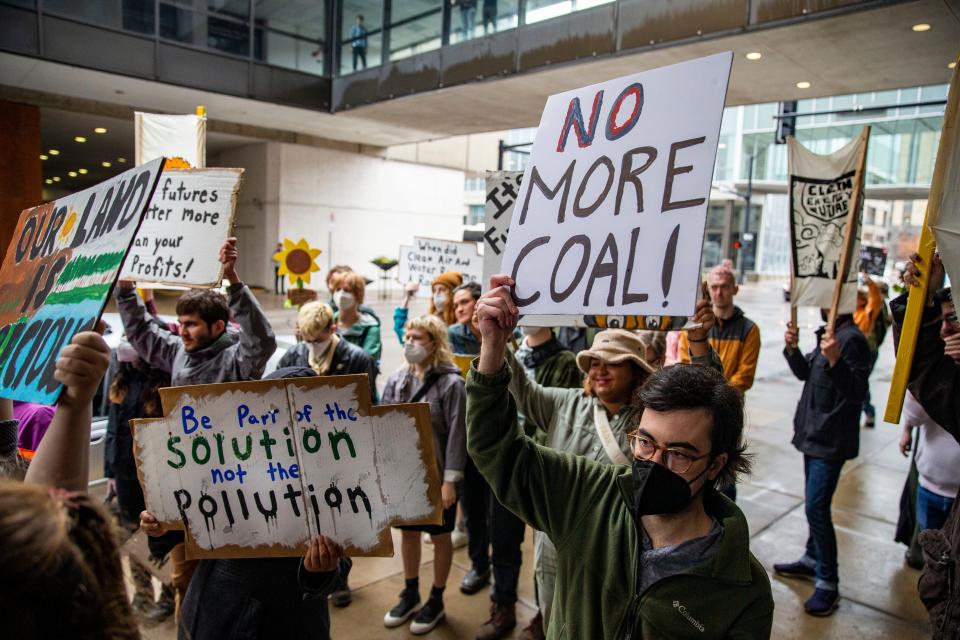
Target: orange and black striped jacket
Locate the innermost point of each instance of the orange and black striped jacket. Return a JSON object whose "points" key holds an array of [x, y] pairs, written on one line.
{"points": [[737, 341]]}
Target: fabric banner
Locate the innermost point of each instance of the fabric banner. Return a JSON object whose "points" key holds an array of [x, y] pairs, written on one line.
{"points": [[257, 469], [502, 189], [182, 139], [820, 190], [612, 208], [191, 215], [58, 273]]}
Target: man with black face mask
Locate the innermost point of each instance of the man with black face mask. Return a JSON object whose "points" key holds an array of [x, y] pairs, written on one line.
{"points": [[620, 534]]}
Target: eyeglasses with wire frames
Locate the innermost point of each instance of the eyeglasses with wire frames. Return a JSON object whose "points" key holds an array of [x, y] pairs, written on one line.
{"points": [[677, 460]]}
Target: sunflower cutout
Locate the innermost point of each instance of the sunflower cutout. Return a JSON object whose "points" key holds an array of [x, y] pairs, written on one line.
{"points": [[176, 162], [296, 261]]}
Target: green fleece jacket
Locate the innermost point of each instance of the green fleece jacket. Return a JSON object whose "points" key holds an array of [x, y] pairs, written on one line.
{"points": [[586, 509]]}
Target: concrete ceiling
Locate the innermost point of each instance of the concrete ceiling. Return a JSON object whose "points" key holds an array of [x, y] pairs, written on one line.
{"points": [[854, 52]]}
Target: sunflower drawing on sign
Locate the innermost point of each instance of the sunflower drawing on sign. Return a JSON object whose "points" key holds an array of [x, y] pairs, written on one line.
{"points": [[297, 261]]}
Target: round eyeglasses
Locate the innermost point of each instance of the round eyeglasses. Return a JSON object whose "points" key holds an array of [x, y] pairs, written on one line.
{"points": [[677, 460]]}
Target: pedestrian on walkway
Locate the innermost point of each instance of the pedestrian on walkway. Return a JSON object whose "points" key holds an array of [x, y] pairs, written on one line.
{"points": [[827, 432]]}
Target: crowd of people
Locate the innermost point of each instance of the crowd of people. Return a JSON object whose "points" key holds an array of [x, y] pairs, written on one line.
{"points": [[620, 449]]}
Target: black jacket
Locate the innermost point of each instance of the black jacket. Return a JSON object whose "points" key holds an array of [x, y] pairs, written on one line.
{"points": [[827, 421], [347, 359]]}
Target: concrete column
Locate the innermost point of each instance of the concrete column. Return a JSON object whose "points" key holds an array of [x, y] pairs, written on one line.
{"points": [[21, 173]]}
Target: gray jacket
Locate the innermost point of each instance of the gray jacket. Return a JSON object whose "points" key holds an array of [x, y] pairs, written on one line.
{"points": [[448, 402], [228, 359]]}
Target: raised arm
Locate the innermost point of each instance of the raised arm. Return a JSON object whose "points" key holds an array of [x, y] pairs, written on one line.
{"points": [[155, 345], [791, 351], [257, 342]]}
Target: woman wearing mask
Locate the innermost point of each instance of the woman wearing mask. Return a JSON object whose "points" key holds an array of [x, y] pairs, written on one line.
{"points": [[430, 376], [441, 301], [353, 324]]}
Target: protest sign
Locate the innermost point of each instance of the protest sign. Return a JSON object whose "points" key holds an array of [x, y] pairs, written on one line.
{"points": [[255, 469], [427, 258], [181, 138], [58, 273], [612, 208], [502, 189], [192, 211], [873, 260], [820, 188]]}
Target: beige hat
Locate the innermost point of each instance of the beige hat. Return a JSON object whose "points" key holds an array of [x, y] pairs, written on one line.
{"points": [[614, 346]]}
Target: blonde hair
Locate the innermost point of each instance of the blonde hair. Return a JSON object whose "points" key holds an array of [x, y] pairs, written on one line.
{"points": [[434, 327], [656, 340], [355, 282], [313, 319]]}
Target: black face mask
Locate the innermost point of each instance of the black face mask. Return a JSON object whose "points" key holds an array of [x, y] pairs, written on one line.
{"points": [[657, 490]]}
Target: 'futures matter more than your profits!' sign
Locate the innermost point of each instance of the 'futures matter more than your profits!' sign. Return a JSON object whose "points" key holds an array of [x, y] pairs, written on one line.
{"points": [[58, 272], [611, 211], [255, 469], [189, 218]]}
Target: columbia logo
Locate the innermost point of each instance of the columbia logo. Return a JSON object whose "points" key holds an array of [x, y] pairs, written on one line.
{"points": [[683, 611]]}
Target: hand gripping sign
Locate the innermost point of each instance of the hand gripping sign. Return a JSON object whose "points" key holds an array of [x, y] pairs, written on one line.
{"points": [[257, 469], [611, 211]]}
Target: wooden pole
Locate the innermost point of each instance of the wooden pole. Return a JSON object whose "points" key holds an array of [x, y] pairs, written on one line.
{"points": [[853, 227], [918, 296], [793, 268]]}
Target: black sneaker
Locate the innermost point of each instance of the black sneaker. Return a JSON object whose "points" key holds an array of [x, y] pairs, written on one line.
{"points": [[342, 596], [474, 581], [822, 603], [404, 609], [795, 570], [430, 615]]}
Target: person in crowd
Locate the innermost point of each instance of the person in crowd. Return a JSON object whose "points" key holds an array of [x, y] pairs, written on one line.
{"points": [[869, 316], [622, 530], [464, 335], [934, 380], [655, 347], [441, 301], [13, 466], [354, 325], [429, 375], [134, 393], [34, 420], [279, 281], [735, 337], [546, 362], [827, 432], [468, 16], [333, 282], [261, 597], [204, 352], [358, 43]]}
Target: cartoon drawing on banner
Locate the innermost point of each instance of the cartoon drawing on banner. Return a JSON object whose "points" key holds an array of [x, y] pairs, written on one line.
{"points": [[819, 221]]}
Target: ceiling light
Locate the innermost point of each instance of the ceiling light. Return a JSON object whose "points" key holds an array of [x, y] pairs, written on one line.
{"points": [[121, 160], [55, 178], [80, 139], [951, 65], [48, 181], [99, 130], [921, 27], [803, 84], [106, 164], [82, 172], [43, 156], [54, 152], [754, 55], [72, 174]]}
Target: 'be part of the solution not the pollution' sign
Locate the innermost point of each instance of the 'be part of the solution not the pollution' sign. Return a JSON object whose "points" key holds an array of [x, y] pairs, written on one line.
{"points": [[58, 272], [255, 469], [191, 214], [611, 212]]}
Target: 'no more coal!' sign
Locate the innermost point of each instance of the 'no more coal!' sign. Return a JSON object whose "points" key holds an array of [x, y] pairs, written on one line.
{"points": [[611, 211], [254, 469]]}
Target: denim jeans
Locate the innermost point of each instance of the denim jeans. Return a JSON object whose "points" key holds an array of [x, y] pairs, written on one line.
{"points": [[468, 20], [868, 408], [491, 526], [932, 509], [821, 481], [359, 53]]}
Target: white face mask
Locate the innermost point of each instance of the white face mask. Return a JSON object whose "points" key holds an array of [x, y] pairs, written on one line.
{"points": [[317, 349], [126, 353], [344, 300], [530, 331], [440, 301], [415, 353]]}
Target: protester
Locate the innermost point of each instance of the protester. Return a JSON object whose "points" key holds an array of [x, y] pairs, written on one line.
{"points": [[430, 376], [204, 352], [13, 466], [664, 512], [355, 326], [655, 347], [333, 282], [870, 316], [464, 335], [938, 465], [441, 301], [934, 380], [34, 420], [827, 432]]}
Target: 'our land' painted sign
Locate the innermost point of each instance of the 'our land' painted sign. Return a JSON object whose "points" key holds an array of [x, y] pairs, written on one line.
{"points": [[254, 469], [57, 275], [191, 211], [427, 258], [611, 213]]}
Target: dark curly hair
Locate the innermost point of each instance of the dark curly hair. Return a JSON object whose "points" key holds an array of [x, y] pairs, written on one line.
{"points": [[210, 305]]}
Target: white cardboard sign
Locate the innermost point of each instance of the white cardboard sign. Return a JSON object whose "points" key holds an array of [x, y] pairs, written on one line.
{"points": [[611, 212], [427, 258], [190, 216]]}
